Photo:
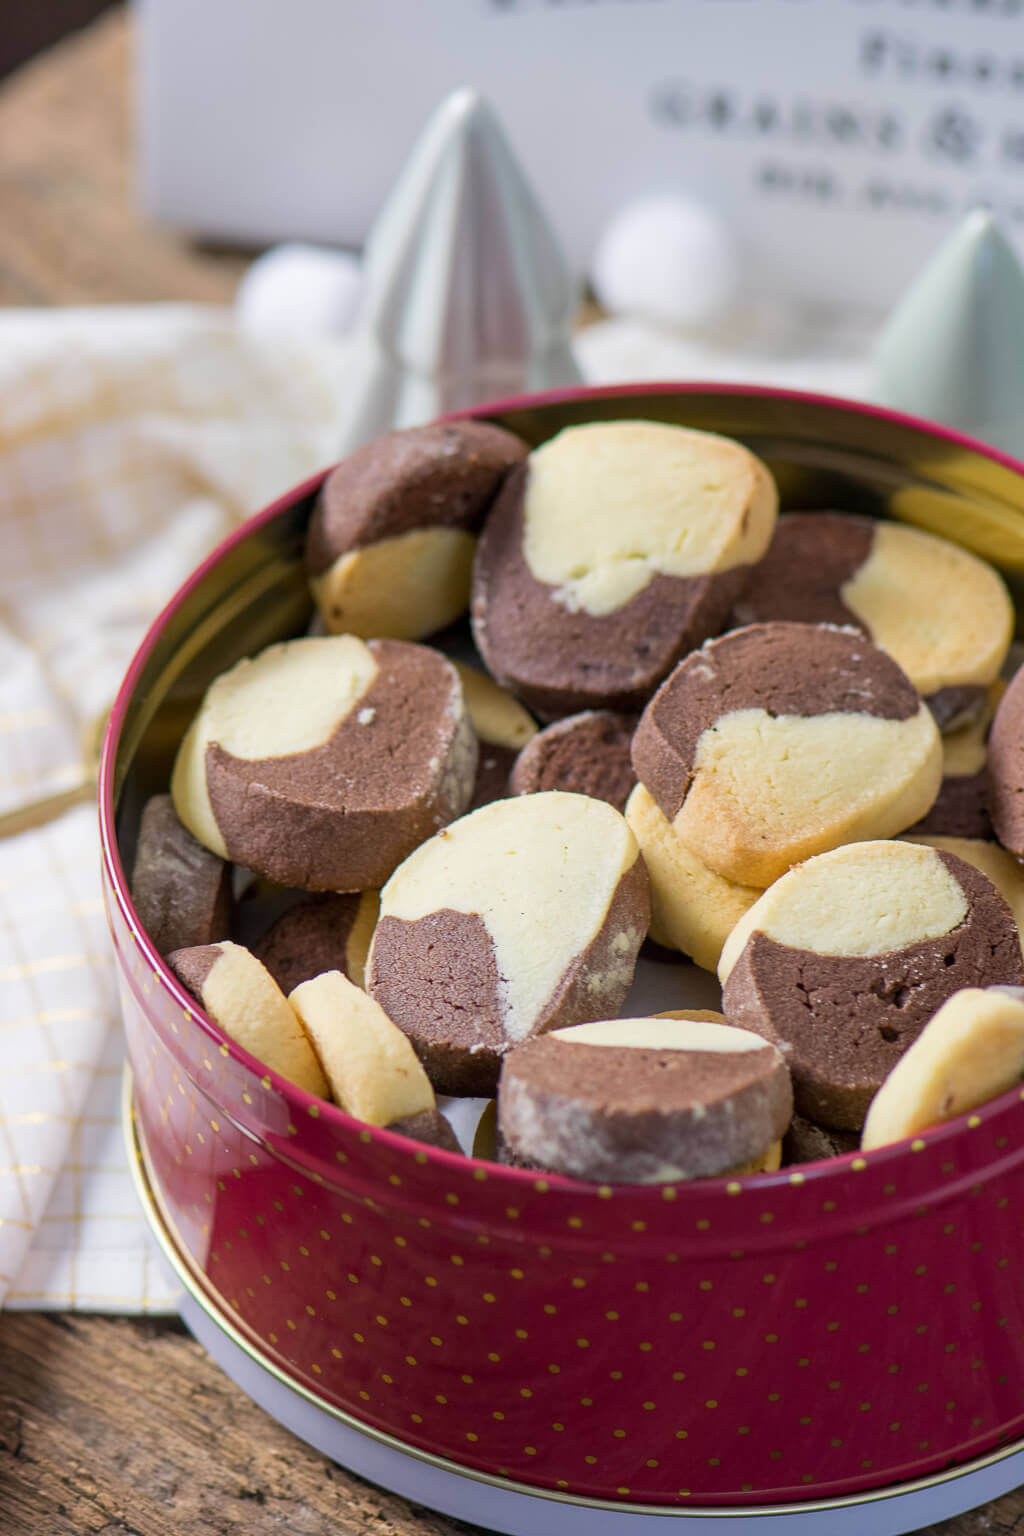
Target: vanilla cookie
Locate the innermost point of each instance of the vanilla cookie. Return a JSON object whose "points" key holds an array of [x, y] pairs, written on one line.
{"points": [[371, 1067], [502, 728], [181, 891], [242, 997], [392, 536], [322, 931], [780, 741], [525, 915], [692, 909], [615, 549], [944, 615], [643, 1101], [586, 754], [321, 763], [844, 960], [971, 1051]]}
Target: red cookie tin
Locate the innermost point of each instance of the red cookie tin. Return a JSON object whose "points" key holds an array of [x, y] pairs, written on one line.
{"points": [[803, 1335]]}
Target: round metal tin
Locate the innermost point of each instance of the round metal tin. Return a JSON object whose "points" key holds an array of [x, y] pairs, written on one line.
{"points": [[820, 1331]]}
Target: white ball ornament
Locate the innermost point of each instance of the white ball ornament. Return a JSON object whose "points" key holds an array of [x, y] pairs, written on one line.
{"points": [[303, 290], [670, 259]]}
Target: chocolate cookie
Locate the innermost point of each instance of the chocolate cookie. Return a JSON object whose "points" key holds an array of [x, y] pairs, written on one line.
{"points": [[586, 754], [370, 1065], [181, 891], [643, 1101], [615, 549], [806, 1142], [692, 909], [780, 741], [523, 916], [502, 728], [323, 931], [1006, 767], [321, 763], [392, 536], [942, 613], [240, 995], [971, 1051], [844, 960]]}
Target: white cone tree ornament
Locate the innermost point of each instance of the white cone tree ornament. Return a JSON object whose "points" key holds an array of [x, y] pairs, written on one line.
{"points": [[467, 296], [953, 349]]}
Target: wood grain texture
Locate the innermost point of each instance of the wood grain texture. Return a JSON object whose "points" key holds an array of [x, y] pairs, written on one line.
{"points": [[118, 1427], [125, 1427], [71, 230]]}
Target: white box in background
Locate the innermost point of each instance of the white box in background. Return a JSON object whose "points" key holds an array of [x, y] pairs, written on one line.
{"points": [[842, 139]]}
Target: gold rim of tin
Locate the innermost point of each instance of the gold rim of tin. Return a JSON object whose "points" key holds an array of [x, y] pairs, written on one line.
{"points": [[216, 1308]]}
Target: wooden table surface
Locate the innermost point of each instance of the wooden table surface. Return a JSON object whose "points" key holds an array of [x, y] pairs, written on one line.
{"points": [[124, 1426]]}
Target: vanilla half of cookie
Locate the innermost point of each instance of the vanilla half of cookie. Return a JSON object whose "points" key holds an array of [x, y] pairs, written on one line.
{"points": [[780, 741], [525, 915], [844, 960], [322, 762], [242, 997], [370, 1065], [643, 1101], [971, 1051]]}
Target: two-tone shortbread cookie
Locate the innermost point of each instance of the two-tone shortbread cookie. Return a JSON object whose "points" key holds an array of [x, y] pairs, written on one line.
{"points": [[322, 763], [370, 1066], [844, 960], [643, 1101], [242, 997], [321, 931], [615, 549], [779, 741], [806, 1142], [692, 909], [392, 536], [502, 728], [586, 754], [523, 916], [181, 891], [942, 613], [971, 1051]]}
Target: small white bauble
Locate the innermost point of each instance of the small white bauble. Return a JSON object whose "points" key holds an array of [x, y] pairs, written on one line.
{"points": [[304, 290], [667, 258]]}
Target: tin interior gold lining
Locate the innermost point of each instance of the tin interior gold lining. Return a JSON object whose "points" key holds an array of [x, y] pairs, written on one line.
{"points": [[216, 1308]]}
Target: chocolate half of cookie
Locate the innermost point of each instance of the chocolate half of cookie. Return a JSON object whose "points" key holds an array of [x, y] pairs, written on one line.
{"points": [[322, 931], [779, 741], [844, 960], [943, 614], [321, 763], [615, 549], [525, 915], [391, 539], [587, 754], [181, 891], [643, 1100]]}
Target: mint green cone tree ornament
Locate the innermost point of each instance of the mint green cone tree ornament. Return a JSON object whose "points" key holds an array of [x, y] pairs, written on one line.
{"points": [[467, 296], [953, 349]]}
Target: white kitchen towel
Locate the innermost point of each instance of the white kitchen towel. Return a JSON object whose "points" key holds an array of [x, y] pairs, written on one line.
{"points": [[131, 440]]}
